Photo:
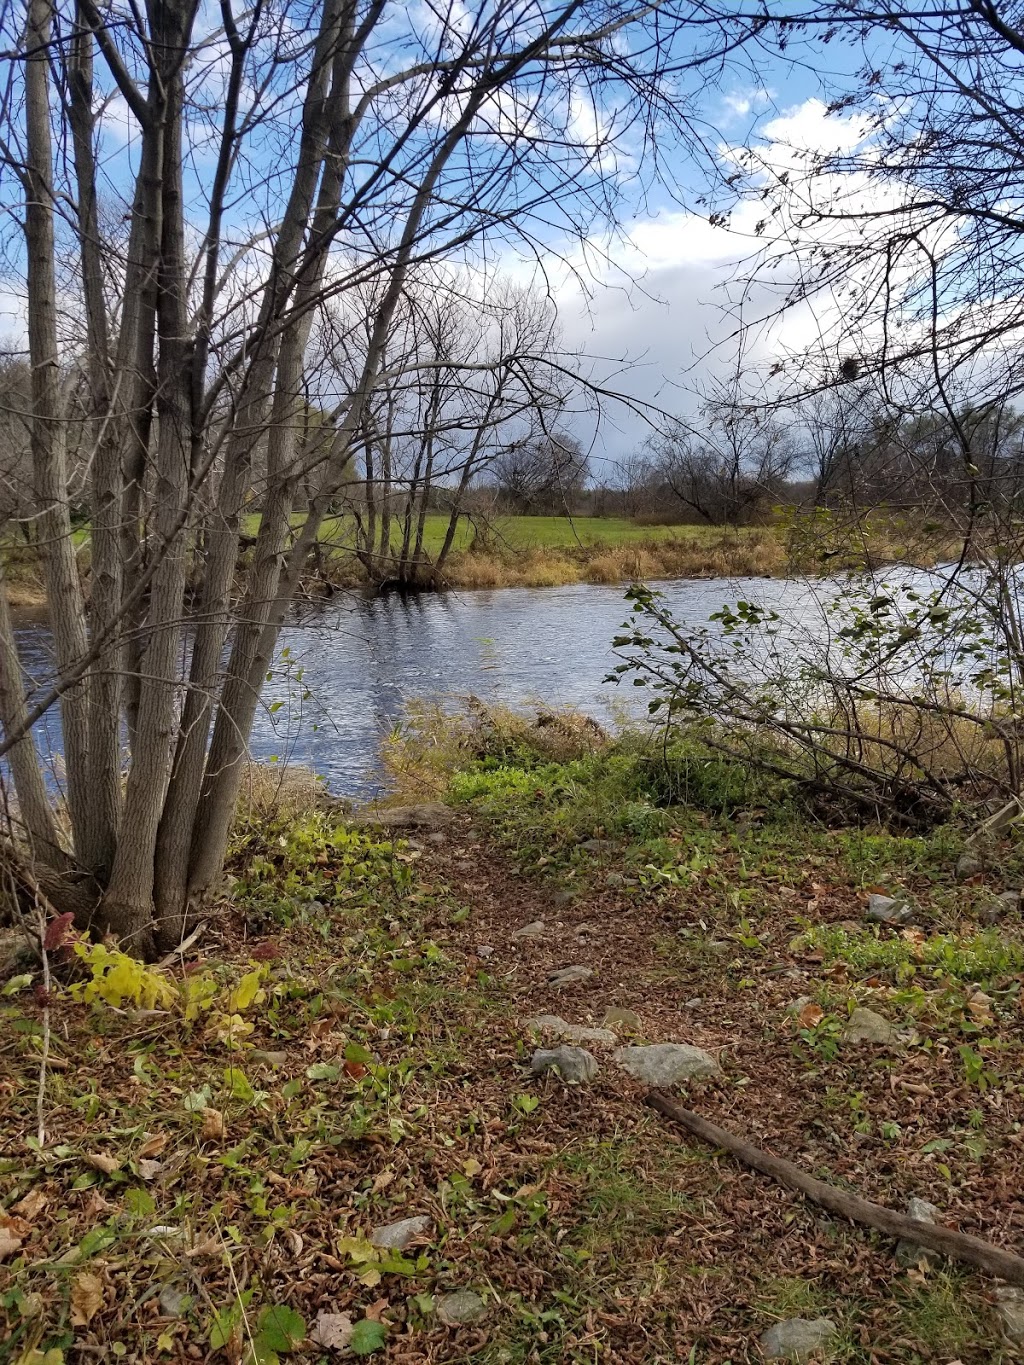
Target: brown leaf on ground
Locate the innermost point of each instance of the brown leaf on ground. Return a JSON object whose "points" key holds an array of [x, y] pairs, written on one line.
{"points": [[332, 1331], [99, 1161], [32, 1205], [811, 1015], [213, 1125], [153, 1145], [86, 1298], [9, 1243]]}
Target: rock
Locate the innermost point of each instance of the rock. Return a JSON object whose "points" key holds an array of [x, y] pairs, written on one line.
{"points": [[575, 1065], [996, 907], [797, 1338], [797, 1006], [431, 815], [563, 898], [665, 1064], [554, 1026], [888, 910], [622, 1020], [532, 930], [865, 1026], [461, 1306], [597, 845], [968, 865], [568, 976], [437, 838], [908, 1253], [174, 1302], [484, 950], [615, 879], [398, 1236], [1010, 1310], [693, 1004], [268, 1058]]}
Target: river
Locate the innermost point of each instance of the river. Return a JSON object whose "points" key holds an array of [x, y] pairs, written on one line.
{"points": [[347, 669]]}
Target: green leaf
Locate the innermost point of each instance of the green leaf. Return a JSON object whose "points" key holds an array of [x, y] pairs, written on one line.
{"points": [[225, 1320], [139, 1202], [238, 1084], [367, 1337], [18, 983], [281, 1328], [323, 1071], [197, 1099], [355, 1052]]}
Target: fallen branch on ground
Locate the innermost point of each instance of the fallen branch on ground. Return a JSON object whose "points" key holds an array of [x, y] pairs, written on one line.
{"points": [[959, 1245]]}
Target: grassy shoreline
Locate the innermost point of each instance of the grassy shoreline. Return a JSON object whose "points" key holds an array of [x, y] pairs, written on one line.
{"points": [[350, 1047], [536, 552]]}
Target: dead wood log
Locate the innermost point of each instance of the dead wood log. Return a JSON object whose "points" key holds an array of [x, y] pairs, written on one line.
{"points": [[958, 1245]]}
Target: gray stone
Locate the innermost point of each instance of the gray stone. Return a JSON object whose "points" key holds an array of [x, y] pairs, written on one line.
{"points": [[622, 1020], [459, 1307], [563, 898], [1010, 1310], [484, 950], [554, 1026], [693, 1004], [908, 1253], [174, 1302], [597, 845], [615, 879], [664, 1064], [532, 930], [865, 1026], [575, 1065], [969, 865], [888, 909], [798, 1005], [268, 1058], [798, 1338], [430, 815], [569, 976], [997, 907], [398, 1236]]}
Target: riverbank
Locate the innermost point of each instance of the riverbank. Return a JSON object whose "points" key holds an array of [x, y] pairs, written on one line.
{"points": [[330, 1132], [541, 552]]}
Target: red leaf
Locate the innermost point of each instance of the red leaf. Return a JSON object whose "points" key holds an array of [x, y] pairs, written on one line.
{"points": [[57, 931], [354, 1069], [265, 952]]}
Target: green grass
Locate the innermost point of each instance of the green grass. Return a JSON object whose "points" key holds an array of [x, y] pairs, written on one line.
{"points": [[517, 533]]}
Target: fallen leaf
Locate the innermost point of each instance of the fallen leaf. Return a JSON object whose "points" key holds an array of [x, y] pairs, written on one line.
{"points": [[811, 1015], [383, 1179], [377, 1309], [99, 1161], [209, 1246], [32, 1205], [333, 1331], [149, 1170], [213, 1124], [354, 1069], [86, 1298], [153, 1145], [9, 1243]]}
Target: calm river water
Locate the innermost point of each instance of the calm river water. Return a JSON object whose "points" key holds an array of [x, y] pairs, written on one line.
{"points": [[361, 661]]}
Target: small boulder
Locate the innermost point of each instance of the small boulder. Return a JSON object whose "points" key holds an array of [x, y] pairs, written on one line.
{"points": [[908, 1253], [969, 864], [621, 1020], [597, 845], [1010, 1311], [865, 1026], [665, 1064], [569, 976], [998, 907], [798, 1338], [460, 1307], [554, 1026], [534, 929], [575, 1065], [430, 815], [258, 1054], [888, 910], [398, 1236]]}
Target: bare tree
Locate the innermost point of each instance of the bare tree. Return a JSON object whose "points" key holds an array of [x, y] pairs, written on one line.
{"points": [[279, 157], [541, 473]]}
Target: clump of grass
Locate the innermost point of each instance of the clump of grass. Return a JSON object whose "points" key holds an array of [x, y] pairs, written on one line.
{"points": [[979, 957], [278, 791]]}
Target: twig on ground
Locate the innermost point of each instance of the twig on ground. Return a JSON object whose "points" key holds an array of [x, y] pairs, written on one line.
{"points": [[959, 1245], [183, 946]]}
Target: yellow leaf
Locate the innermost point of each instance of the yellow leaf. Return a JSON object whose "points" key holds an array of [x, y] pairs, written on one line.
{"points": [[86, 1298], [472, 1166]]}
